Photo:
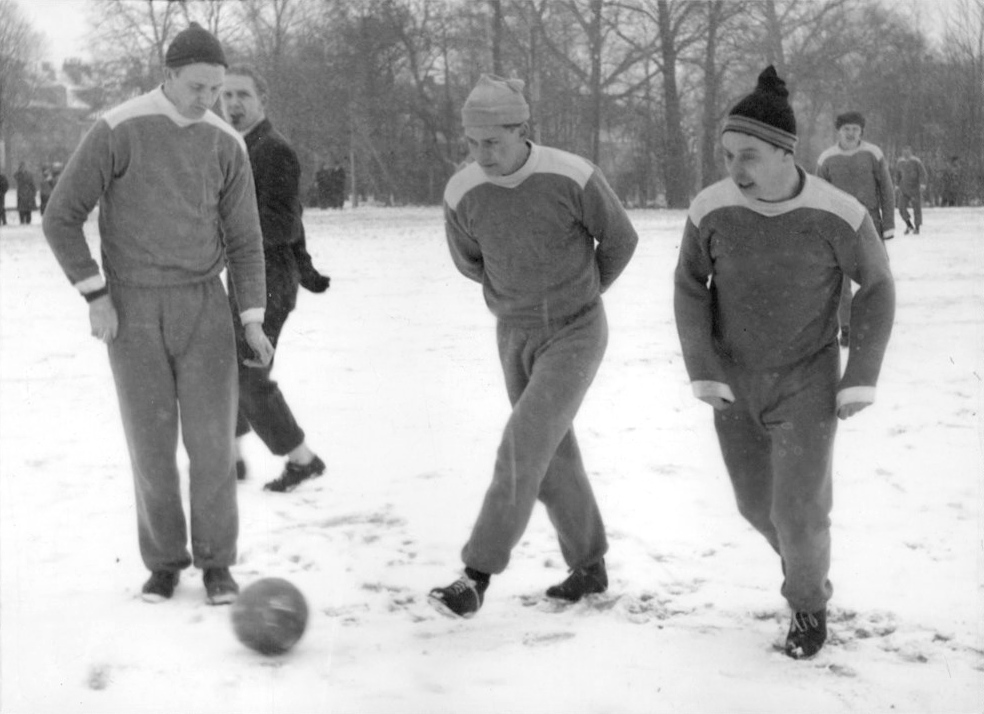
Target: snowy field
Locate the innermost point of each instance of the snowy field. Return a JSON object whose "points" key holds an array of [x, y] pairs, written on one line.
{"points": [[393, 374]]}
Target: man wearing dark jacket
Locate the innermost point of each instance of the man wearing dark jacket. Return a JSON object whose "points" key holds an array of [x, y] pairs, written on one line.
{"points": [[276, 173]]}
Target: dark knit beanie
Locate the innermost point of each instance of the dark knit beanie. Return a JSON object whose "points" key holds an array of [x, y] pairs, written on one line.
{"points": [[849, 118], [765, 113], [193, 45]]}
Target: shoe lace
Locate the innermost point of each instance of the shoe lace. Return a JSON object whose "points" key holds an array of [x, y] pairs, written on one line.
{"points": [[805, 621], [461, 585]]}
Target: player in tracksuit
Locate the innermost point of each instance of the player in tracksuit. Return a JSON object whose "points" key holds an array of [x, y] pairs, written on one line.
{"points": [[756, 293], [545, 235], [861, 169], [176, 207]]}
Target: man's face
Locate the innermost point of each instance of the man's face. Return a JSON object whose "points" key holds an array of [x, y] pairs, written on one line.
{"points": [[499, 150], [849, 136], [759, 169], [194, 88], [241, 102]]}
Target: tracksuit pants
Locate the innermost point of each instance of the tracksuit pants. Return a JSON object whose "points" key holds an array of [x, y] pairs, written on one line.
{"points": [[777, 440], [174, 363], [547, 371], [915, 200]]}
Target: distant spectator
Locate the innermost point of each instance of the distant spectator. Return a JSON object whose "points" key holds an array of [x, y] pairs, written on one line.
{"points": [[337, 185], [4, 187], [950, 183], [26, 189], [322, 179], [47, 186], [910, 177]]}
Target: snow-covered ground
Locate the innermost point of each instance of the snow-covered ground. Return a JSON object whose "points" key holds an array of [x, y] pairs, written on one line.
{"points": [[393, 374]]}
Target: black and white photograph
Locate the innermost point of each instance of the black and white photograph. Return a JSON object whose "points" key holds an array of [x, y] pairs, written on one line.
{"points": [[491, 356]]}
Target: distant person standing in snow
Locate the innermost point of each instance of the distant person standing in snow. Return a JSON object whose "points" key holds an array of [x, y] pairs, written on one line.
{"points": [[176, 207], [26, 192], [4, 187], [277, 176], [910, 177], [758, 282], [861, 169], [523, 220]]}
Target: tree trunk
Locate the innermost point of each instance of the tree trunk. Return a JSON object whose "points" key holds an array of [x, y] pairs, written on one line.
{"points": [[675, 151], [709, 138]]}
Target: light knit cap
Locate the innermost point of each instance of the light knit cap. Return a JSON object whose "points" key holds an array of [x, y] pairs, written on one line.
{"points": [[495, 101]]}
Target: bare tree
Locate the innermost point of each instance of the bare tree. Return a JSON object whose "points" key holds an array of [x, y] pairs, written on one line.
{"points": [[20, 49]]}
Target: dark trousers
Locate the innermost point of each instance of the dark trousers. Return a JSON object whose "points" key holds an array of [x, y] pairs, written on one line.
{"points": [[25, 217], [548, 371], [262, 406], [173, 363]]}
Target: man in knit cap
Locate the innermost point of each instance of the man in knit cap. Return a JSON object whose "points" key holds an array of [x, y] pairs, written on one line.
{"points": [[861, 169], [176, 207], [758, 281], [545, 235]]}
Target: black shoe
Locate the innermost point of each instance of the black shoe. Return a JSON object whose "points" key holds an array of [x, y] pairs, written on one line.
{"points": [[160, 586], [916, 231], [294, 474], [240, 470], [845, 338], [582, 581], [462, 598], [908, 230], [220, 588], [807, 633], [314, 281]]}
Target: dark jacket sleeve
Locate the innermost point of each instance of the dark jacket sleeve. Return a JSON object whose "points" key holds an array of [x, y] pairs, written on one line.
{"points": [[277, 173]]}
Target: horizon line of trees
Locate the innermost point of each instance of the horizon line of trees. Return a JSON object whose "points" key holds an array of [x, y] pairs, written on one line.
{"points": [[639, 87]]}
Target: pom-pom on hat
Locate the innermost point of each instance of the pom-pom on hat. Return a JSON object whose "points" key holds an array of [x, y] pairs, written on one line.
{"points": [[495, 102], [193, 45], [766, 113], [849, 118]]}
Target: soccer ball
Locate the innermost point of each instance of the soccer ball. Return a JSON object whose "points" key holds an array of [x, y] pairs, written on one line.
{"points": [[269, 616]]}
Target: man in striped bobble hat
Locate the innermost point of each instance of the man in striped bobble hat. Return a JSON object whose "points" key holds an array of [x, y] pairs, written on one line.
{"points": [[757, 286]]}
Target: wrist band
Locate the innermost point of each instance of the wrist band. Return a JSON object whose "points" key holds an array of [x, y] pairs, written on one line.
{"points": [[96, 294]]}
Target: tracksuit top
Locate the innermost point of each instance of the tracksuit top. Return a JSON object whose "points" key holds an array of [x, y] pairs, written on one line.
{"points": [[758, 284], [910, 175], [544, 241], [176, 200], [864, 173]]}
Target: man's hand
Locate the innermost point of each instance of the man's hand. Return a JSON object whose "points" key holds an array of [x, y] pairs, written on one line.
{"points": [[314, 281], [259, 343], [719, 403], [846, 411], [104, 323]]}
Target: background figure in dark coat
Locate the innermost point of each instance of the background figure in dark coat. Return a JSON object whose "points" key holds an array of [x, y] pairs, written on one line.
{"points": [[910, 177], [276, 173], [337, 186], [26, 190], [4, 187], [322, 179]]}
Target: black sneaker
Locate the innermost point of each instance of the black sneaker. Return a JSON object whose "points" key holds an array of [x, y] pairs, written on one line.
{"points": [[582, 581], [807, 633], [220, 588], [240, 470], [294, 474], [160, 585], [462, 598]]}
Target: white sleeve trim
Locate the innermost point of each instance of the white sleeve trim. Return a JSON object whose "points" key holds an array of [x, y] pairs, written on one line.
{"points": [[254, 314], [90, 284], [707, 388], [855, 395]]}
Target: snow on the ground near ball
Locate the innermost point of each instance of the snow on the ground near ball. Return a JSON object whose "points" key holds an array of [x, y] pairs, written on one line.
{"points": [[394, 376]]}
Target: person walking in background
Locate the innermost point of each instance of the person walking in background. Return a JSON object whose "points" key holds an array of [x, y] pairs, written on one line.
{"points": [[47, 186], [26, 192], [4, 187], [910, 177], [277, 176], [861, 169], [545, 235], [176, 206], [757, 286]]}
